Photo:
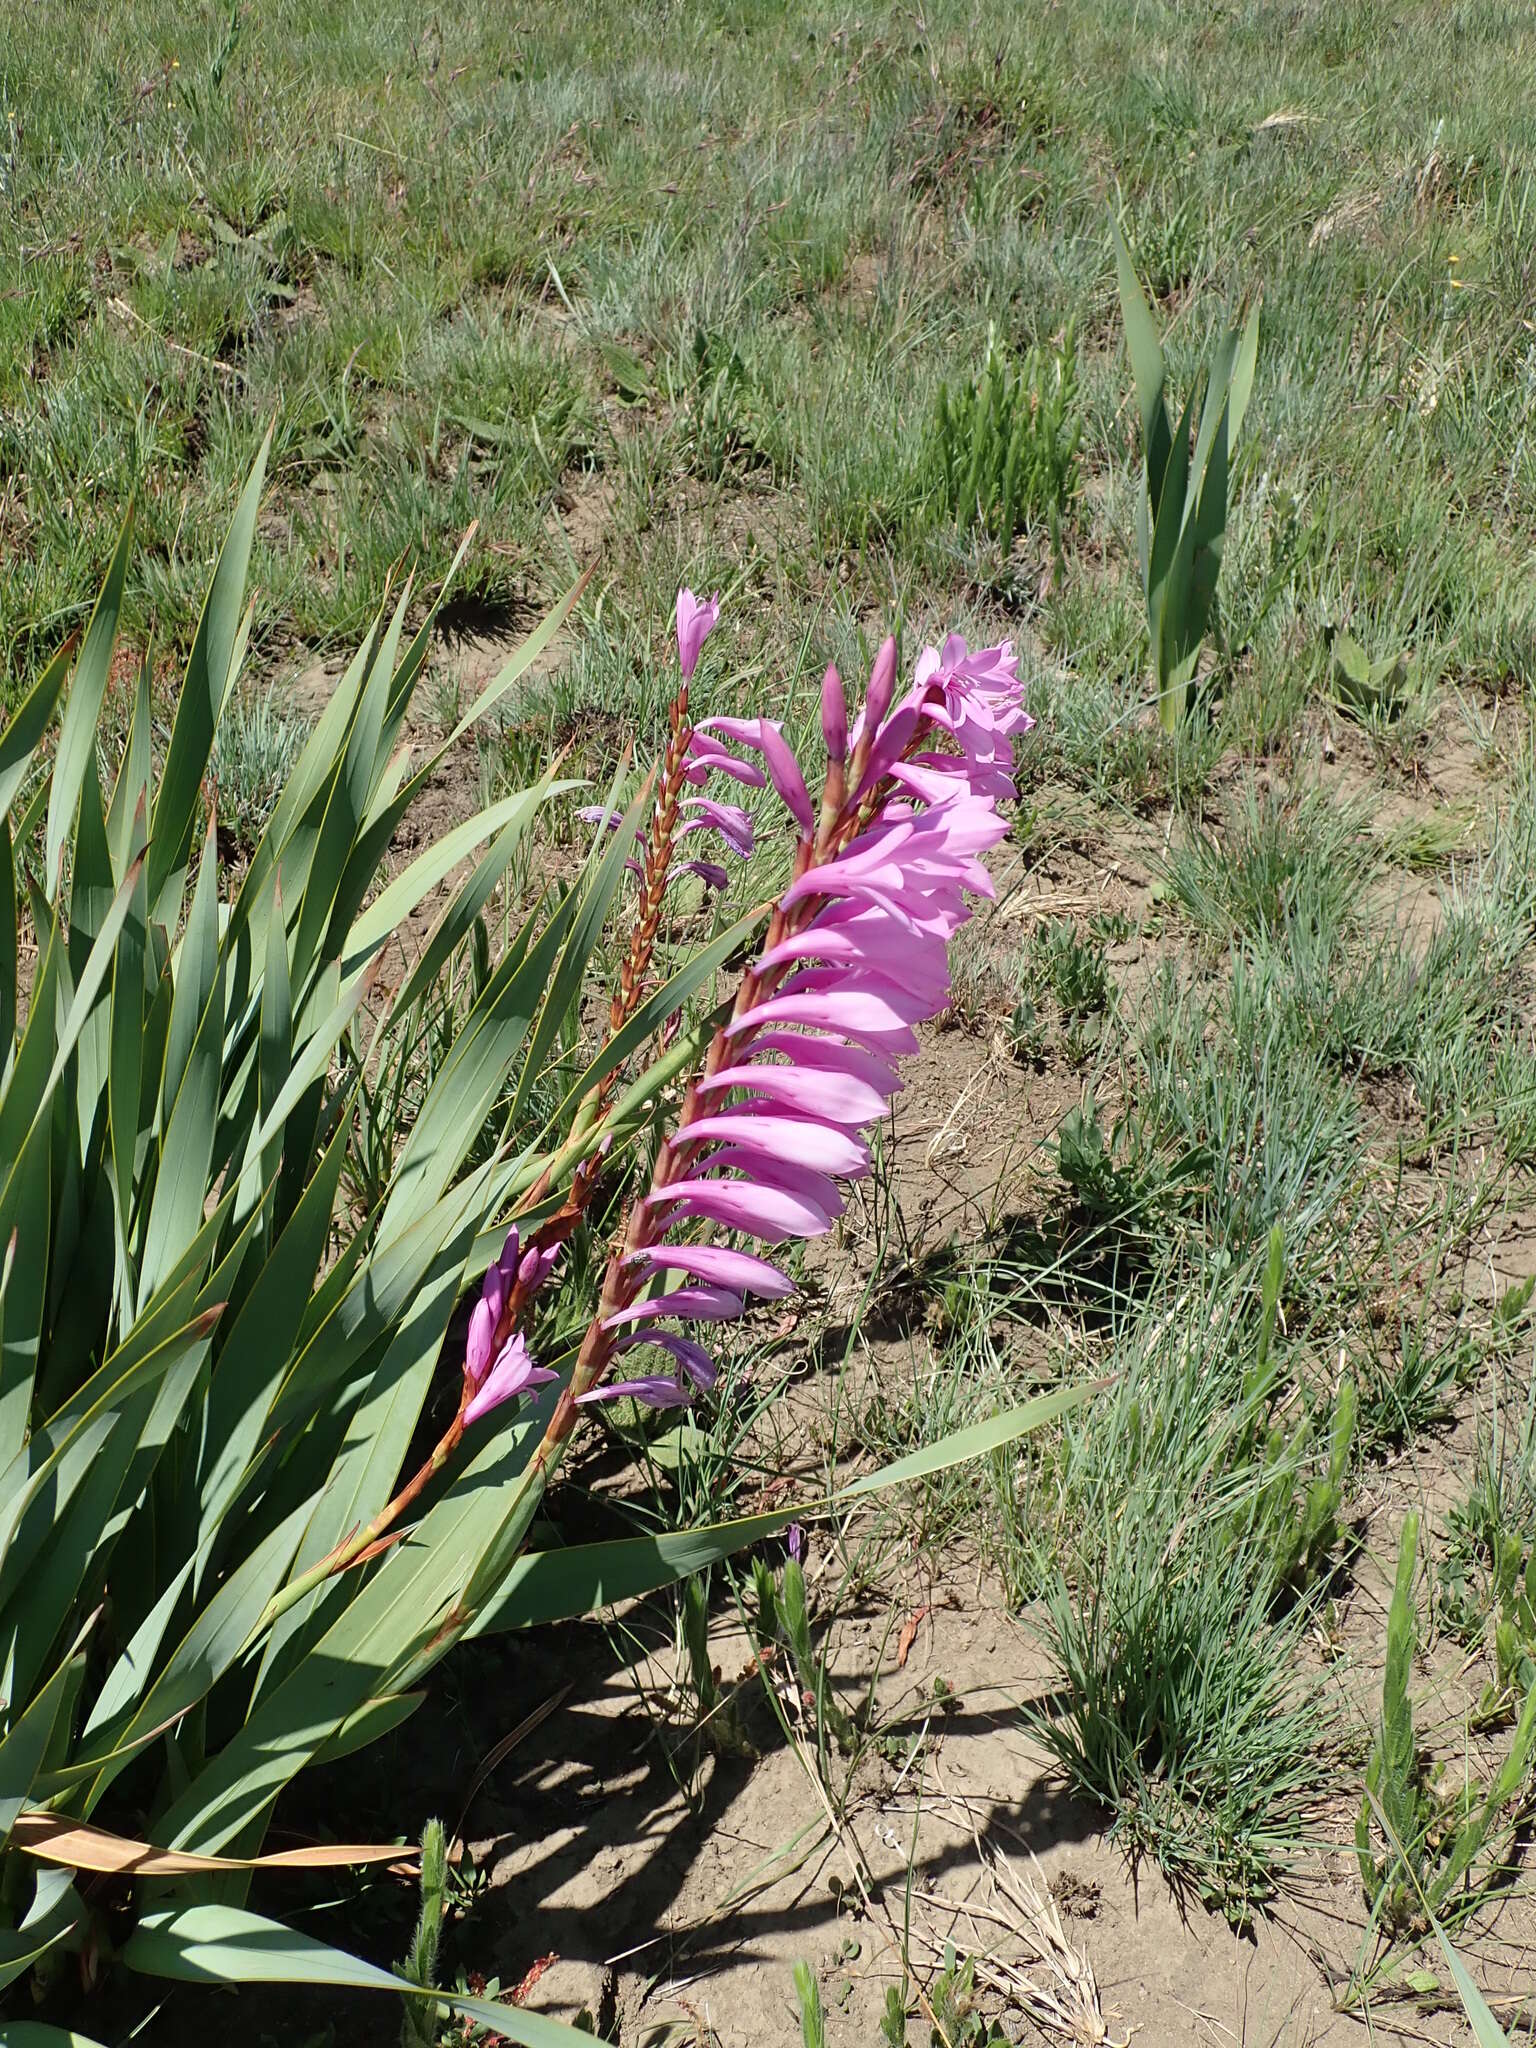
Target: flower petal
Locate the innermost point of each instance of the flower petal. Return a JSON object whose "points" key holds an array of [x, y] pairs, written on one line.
{"points": [[695, 623], [694, 1304], [741, 1271], [796, 1139], [652, 1393], [513, 1373], [764, 1212], [691, 1356], [842, 1098]]}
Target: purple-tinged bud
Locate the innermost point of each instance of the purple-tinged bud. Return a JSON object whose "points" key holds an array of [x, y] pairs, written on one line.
{"points": [[834, 714], [882, 685]]}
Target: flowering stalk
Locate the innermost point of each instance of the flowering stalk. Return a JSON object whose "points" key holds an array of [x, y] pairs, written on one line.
{"points": [[855, 954]]}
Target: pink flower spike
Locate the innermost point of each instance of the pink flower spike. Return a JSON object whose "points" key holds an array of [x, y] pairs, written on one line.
{"points": [[653, 1393], [695, 623], [834, 715], [693, 1304], [513, 1373], [741, 1271]]}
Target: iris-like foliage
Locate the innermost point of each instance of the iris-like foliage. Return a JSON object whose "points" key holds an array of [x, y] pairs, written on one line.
{"points": [[1181, 512]]}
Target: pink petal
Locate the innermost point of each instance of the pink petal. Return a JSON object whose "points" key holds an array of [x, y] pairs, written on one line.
{"points": [[765, 1212], [653, 1393], [695, 623], [907, 1006], [839, 1097], [692, 1357], [693, 1304], [831, 1055], [791, 1177], [882, 682], [856, 1011], [513, 1373], [732, 823], [708, 871], [481, 1340], [747, 732], [704, 757], [796, 1139], [536, 1267], [715, 1262], [784, 770]]}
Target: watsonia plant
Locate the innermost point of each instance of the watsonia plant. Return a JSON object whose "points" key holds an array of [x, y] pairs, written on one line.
{"points": [[1181, 509], [221, 1561]]}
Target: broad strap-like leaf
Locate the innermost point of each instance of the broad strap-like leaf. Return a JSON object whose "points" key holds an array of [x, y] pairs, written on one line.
{"points": [[510, 818], [227, 1945], [1244, 366], [135, 1703], [54, 1914], [1147, 366], [190, 1113], [82, 710], [258, 1347], [19, 739], [9, 947], [195, 971], [127, 813], [25, 1743], [594, 901], [474, 1072], [210, 674], [557, 1585]]}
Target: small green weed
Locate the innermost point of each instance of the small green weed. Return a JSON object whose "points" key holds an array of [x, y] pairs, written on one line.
{"points": [[1006, 446], [1445, 1845], [419, 2026], [1073, 968], [957, 2021]]}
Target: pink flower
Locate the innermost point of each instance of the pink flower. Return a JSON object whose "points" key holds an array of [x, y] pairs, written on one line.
{"points": [[513, 1373], [500, 1374], [695, 623], [857, 956]]}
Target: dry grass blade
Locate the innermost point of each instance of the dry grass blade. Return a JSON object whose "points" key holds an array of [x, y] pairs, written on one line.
{"points": [[75, 1845], [1054, 1982]]}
